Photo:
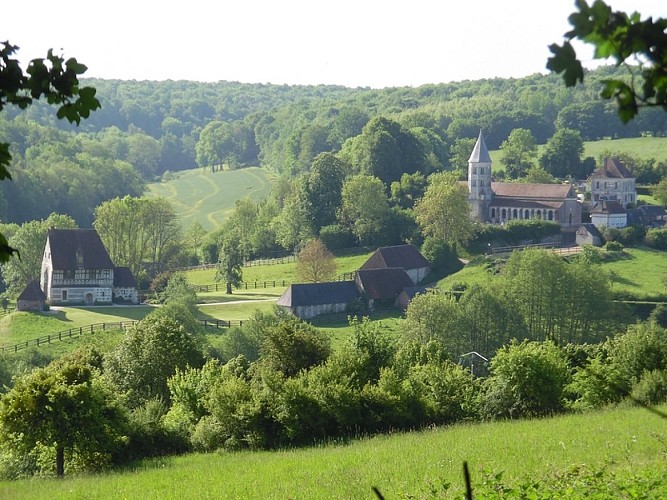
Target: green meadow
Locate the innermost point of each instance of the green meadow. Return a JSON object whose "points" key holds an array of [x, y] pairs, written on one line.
{"points": [[645, 148], [209, 197], [626, 446]]}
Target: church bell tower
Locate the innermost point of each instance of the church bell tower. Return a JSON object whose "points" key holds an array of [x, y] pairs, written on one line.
{"points": [[479, 180]]}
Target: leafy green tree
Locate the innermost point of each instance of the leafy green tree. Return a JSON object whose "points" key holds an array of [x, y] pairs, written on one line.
{"points": [[385, 150], [527, 380], [659, 191], [230, 263], [365, 207], [293, 345], [194, 238], [443, 212], [518, 152], [538, 175], [622, 37], [408, 189], [223, 143], [30, 240], [459, 154], [150, 353], [66, 407], [315, 263], [51, 78], [436, 316], [136, 231], [144, 154], [562, 154], [323, 185]]}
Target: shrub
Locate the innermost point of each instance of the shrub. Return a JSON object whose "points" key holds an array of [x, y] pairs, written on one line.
{"points": [[656, 238], [527, 379], [651, 388], [336, 237], [613, 246], [442, 256]]}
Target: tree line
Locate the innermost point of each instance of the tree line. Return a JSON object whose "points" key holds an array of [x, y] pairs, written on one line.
{"points": [[145, 129]]}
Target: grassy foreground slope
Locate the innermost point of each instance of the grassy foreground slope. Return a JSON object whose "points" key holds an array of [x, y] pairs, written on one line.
{"points": [[210, 196], [621, 442]]}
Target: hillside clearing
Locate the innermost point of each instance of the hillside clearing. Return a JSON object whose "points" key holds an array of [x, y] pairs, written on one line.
{"points": [[209, 197]]}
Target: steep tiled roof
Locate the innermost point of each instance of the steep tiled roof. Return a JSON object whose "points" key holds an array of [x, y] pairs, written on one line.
{"points": [[316, 294], [383, 283], [527, 190], [32, 292], [591, 229], [608, 207], [614, 169], [480, 154], [404, 256], [122, 278], [68, 244]]}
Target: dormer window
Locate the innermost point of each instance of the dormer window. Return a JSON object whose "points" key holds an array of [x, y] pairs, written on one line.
{"points": [[79, 258]]}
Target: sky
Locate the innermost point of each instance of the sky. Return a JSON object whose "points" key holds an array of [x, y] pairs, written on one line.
{"points": [[355, 43]]}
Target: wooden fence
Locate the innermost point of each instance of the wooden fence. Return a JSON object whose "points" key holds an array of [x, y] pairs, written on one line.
{"points": [[246, 285], [74, 333]]}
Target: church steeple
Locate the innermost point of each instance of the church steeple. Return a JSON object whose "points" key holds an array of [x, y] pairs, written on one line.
{"points": [[480, 154], [479, 179]]}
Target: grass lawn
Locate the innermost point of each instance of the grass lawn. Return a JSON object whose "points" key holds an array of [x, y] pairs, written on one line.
{"points": [[620, 442], [209, 197], [276, 272], [235, 310], [472, 273], [338, 327], [641, 274], [22, 326]]}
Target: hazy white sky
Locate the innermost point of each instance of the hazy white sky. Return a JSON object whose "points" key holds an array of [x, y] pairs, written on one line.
{"points": [[374, 43]]}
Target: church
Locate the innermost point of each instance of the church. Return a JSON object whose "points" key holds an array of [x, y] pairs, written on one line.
{"points": [[501, 202]]}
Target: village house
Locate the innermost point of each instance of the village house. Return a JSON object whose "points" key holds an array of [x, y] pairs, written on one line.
{"points": [[76, 269], [609, 213], [501, 202], [613, 182]]}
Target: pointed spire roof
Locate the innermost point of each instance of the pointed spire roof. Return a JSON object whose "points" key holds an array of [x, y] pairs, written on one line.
{"points": [[479, 153]]}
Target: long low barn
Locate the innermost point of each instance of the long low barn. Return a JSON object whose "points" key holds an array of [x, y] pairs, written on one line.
{"points": [[308, 300]]}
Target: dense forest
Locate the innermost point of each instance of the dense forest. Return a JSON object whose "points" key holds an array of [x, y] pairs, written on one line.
{"points": [[145, 129]]}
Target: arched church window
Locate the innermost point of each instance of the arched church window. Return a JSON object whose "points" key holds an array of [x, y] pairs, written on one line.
{"points": [[504, 214], [551, 215], [514, 215], [526, 215], [493, 213]]}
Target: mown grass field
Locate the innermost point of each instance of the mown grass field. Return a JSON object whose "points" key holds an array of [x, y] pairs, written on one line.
{"points": [[621, 443], [209, 197]]}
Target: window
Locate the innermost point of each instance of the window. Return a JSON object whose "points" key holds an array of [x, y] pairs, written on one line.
{"points": [[64, 295], [504, 214], [514, 215], [69, 274]]}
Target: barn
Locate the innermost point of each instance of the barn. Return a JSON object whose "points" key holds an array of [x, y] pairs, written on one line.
{"points": [[308, 300]]}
